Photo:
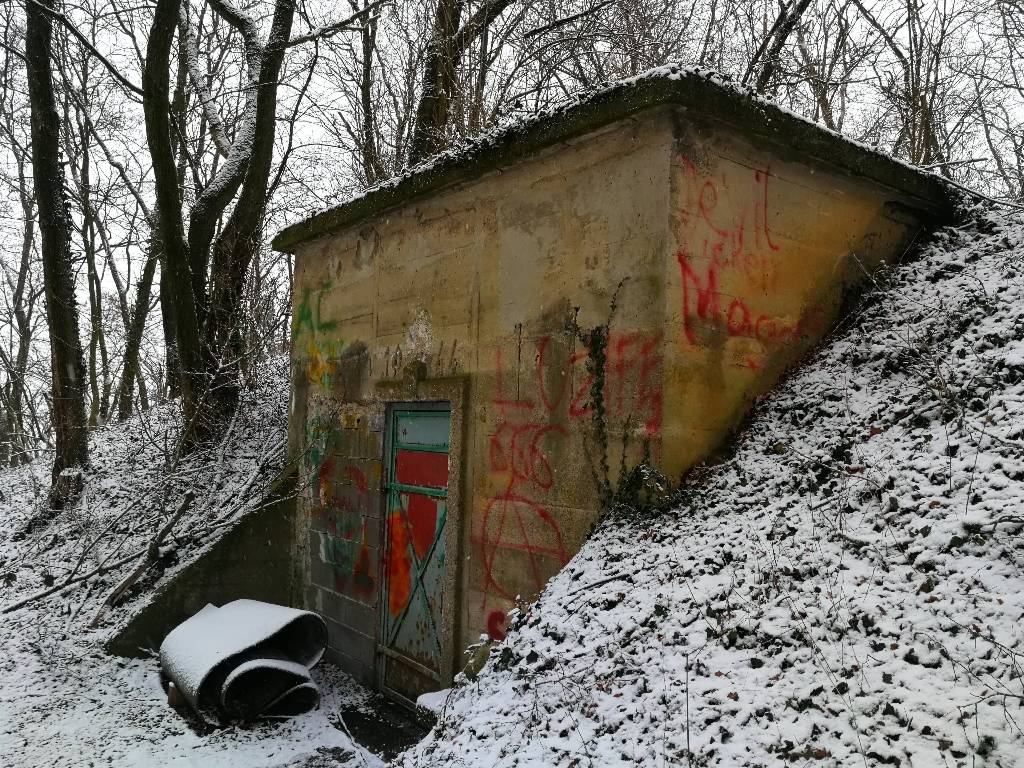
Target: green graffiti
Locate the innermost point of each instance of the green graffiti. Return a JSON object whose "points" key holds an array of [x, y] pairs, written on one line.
{"points": [[308, 316], [313, 337], [320, 431], [339, 551]]}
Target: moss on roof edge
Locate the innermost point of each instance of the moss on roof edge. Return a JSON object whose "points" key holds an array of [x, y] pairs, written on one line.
{"points": [[748, 114]]}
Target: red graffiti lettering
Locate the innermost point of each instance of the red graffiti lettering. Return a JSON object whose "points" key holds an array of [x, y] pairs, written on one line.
{"points": [[728, 229], [700, 303], [516, 525], [731, 225], [738, 319], [737, 217], [518, 449]]}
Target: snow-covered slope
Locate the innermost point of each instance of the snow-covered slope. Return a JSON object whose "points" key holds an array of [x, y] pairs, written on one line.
{"points": [[63, 702], [845, 589]]}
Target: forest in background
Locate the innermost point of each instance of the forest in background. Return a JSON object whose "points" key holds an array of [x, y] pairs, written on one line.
{"points": [[149, 151]]}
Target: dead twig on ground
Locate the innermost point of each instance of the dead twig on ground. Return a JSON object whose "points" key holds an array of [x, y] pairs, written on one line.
{"points": [[60, 587], [152, 555]]}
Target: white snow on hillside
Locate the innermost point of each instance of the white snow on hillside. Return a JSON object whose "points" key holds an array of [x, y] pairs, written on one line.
{"points": [[63, 701], [846, 588]]}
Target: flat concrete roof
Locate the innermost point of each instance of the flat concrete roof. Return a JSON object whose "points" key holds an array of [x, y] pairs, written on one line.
{"points": [[709, 95]]}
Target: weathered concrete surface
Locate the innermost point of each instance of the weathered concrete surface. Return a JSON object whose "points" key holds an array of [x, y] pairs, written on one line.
{"points": [[766, 247], [253, 560], [728, 259]]}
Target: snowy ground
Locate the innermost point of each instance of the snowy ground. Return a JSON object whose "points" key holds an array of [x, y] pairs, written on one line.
{"points": [[845, 589], [63, 702]]}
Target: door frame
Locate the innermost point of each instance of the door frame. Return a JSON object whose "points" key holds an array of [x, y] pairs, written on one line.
{"points": [[448, 394]]}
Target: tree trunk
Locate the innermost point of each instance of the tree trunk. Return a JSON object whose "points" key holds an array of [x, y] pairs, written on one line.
{"points": [[476, 111], [241, 236], [6, 427], [372, 171], [24, 308], [438, 78], [133, 341], [172, 364], [94, 338], [787, 22], [177, 273], [68, 366], [447, 46], [179, 117], [87, 234]]}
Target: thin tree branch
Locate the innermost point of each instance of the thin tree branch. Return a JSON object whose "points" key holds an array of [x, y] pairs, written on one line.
{"points": [[330, 30], [567, 20], [220, 139], [73, 29]]}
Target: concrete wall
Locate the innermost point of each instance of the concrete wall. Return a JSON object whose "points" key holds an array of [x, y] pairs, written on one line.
{"points": [[726, 261], [252, 560], [765, 247]]}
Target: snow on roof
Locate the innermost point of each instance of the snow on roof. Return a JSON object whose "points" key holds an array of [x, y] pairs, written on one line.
{"points": [[703, 91], [846, 589]]}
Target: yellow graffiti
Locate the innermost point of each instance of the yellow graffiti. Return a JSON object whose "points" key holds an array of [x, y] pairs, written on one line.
{"points": [[319, 351], [318, 368]]}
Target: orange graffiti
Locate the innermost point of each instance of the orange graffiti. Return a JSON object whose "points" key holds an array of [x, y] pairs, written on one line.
{"points": [[398, 564]]}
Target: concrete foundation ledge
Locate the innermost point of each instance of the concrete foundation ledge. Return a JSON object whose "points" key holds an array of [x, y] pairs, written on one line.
{"points": [[251, 560]]}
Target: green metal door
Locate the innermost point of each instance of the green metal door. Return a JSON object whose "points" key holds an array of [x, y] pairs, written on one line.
{"points": [[414, 549]]}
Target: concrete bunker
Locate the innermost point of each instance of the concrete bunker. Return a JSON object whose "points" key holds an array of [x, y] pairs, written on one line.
{"points": [[440, 409]]}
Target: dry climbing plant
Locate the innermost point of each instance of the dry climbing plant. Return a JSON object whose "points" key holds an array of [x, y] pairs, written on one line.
{"points": [[636, 487]]}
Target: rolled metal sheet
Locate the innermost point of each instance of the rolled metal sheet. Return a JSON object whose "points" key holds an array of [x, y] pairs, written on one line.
{"points": [[246, 659]]}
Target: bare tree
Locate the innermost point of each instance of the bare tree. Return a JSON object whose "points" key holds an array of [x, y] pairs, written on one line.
{"points": [[773, 43], [18, 275], [68, 368], [448, 42], [247, 124]]}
